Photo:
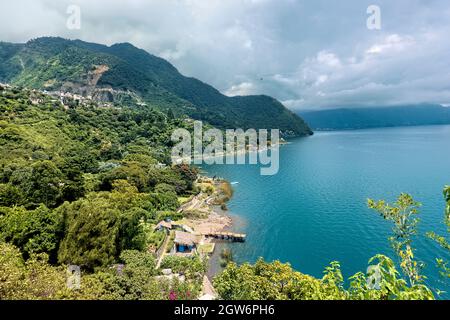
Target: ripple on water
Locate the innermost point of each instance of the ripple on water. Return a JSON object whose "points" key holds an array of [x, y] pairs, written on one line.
{"points": [[314, 210]]}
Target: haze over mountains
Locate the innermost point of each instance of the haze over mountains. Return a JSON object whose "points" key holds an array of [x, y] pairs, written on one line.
{"points": [[122, 74], [126, 75], [361, 118]]}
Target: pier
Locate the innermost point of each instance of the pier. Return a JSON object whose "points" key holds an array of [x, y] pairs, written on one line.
{"points": [[234, 237]]}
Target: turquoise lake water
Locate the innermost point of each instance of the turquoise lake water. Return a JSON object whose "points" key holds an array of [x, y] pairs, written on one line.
{"points": [[314, 210]]}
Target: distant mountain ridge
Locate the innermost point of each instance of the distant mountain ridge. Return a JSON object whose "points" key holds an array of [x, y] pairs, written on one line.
{"points": [[361, 118], [101, 72]]}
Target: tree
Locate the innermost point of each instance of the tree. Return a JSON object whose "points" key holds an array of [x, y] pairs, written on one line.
{"points": [[164, 201], [402, 214], [165, 188], [33, 279], [132, 172], [11, 272], [44, 281], [188, 173], [32, 231], [10, 195], [132, 234], [46, 184], [190, 267], [442, 240], [100, 226], [91, 233], [384, 282], [134, 280], [277, 281]]}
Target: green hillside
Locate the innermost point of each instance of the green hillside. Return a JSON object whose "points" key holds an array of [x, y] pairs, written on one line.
{"points": [[86, 185], [90, 69]]}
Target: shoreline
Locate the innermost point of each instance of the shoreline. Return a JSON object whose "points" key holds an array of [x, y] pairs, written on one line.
{"points": [[214, 266], [232, 220], [211, 217], [235, 153]]}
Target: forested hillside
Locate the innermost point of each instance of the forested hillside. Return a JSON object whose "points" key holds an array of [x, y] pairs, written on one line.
{"points": [[361, 118], [86, 184], [83, 185], [106, 73]]}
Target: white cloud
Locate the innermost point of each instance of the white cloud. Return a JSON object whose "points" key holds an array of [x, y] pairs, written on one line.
{"points": [[242, 89], [393, 42], [396, 70], [328, 59], [309, 54]]}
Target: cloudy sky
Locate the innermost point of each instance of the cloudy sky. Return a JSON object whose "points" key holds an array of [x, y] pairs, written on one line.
{"points": [[309, 54]]}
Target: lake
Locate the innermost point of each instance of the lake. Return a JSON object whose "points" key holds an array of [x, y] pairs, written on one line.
{"points": [[314, 210]]}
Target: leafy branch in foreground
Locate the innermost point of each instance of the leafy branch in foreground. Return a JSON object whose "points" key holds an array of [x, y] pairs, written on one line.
{"points": [[382, 281], [441, 240], [402, 213], [278, 281]]}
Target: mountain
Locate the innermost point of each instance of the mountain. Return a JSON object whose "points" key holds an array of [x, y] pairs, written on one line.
{"points": [[126, 75], [361, 118]]}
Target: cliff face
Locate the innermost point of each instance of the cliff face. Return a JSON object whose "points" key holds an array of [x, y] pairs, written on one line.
{"points": [[89, 69]]}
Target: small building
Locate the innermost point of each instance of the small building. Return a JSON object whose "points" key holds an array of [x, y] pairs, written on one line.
{"points": [[182, 227], [185, 242], [164, 225]]}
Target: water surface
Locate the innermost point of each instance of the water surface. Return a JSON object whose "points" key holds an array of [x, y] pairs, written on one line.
{"points": [[314, 210]]}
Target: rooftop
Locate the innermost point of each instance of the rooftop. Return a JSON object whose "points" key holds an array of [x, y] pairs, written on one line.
{"points": [[185, 239], [164, 224]]}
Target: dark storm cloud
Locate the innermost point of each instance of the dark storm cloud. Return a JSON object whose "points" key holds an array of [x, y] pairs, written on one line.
{"points": [[309, 54]]}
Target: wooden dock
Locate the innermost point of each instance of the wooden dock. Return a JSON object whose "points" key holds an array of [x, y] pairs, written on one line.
{"points": [[231, 236]]}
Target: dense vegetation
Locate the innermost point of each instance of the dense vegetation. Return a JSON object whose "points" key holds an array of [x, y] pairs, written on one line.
{"points": [[85, 185], [443, 241], [54, 64], [361, 118]]}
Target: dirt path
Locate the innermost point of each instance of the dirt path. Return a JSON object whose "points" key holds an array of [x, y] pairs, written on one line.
{"points": [[208, 287], [199, 202], [163, 251]]}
